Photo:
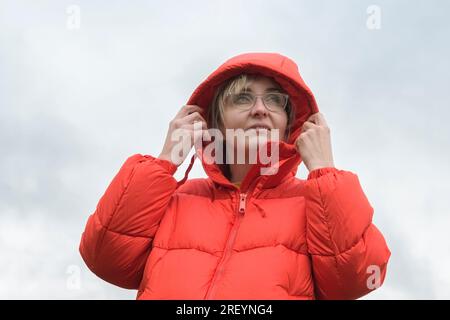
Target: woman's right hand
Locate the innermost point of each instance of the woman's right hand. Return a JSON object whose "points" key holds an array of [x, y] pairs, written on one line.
{"points": [[183, 124]]}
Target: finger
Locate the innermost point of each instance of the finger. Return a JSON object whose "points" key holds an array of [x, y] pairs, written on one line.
{"points": [[188, 109], [207, 135], [321, 120], [308, 125], [191, 118], [197, 130], [312, 117], [199, 110], [196, 125]]}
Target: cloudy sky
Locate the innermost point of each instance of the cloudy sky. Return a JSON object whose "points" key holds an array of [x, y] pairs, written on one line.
{"points": [[77, 99]]}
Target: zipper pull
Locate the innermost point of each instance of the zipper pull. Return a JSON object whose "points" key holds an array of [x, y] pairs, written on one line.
{"points": [[242, 198]]}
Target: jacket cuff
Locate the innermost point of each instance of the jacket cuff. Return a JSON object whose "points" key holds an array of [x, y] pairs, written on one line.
{"points": [[316, 173]]}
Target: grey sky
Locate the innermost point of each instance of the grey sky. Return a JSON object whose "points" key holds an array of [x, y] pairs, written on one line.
{"points": [[74, 104]]}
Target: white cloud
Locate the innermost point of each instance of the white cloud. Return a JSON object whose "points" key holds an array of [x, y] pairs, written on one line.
{"points": [[75, 104]]}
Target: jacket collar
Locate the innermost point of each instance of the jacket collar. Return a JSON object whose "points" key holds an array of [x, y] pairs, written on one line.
{"points": [[287, 164]]}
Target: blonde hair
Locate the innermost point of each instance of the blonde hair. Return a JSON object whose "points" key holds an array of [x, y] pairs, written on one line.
{"points": [[233, 86]]}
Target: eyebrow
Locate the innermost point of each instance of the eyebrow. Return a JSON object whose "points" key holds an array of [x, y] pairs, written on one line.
{"points": [[267, 90]]}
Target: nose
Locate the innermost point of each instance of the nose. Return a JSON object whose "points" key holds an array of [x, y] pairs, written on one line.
{"points": [[259, 108]]}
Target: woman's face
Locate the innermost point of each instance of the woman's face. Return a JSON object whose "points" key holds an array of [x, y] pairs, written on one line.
{"points": [[235, 118]]}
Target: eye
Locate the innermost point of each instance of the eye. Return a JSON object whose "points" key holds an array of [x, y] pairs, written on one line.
{"points": [[242, 98], [275, 98]]}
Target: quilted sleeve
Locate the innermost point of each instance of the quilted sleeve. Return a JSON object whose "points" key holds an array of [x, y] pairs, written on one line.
{"points": [[118, 235], [349, 254]]}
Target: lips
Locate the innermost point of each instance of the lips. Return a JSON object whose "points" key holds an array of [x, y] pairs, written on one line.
{"points": [[258, 127]]}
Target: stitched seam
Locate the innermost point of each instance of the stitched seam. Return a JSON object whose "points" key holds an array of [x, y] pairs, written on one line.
{"points": [[106, 227], [149, 273], [194, 194], [100, 241], [346, 250], [219, 199], [181, 248], [121, 233], [268, 246], [329, 234]]}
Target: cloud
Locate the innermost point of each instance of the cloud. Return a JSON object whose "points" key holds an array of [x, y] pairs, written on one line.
{"points": [[74, 104]]}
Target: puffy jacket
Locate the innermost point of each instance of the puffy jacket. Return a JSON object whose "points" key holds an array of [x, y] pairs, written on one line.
{"points": [[275, 237]]}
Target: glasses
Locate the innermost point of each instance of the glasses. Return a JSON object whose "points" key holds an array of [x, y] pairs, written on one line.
{"points": [[274, 101]]}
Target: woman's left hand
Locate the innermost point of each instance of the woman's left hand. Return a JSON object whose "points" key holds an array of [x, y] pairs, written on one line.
{"points": [[314, 143]]}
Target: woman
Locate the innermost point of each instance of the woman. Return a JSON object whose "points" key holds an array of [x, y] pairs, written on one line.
{"points": [[241, 233]]}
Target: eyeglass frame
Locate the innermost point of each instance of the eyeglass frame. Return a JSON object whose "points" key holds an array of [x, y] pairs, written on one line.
{"points": [[256, 96]]}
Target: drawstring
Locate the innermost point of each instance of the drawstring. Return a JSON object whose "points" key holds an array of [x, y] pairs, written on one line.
{"points": [[186, 174], [261, 210], [182, 181], [214, 190]]}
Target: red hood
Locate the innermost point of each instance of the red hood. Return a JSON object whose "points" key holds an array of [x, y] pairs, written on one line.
{"points": [[284, 71]]}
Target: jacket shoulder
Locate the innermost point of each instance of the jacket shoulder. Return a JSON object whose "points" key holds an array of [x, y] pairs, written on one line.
{"points": [[198, 186]]}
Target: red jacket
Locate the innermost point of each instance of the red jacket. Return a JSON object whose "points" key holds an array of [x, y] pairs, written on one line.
{"points": [[277, 237]]}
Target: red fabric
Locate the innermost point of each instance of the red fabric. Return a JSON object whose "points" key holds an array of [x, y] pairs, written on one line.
{"points": [[278, 237]]}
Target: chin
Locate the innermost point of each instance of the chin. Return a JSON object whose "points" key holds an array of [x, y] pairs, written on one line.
{"points": [[254, 144]]}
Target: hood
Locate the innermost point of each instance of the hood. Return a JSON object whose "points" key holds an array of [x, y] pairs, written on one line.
{"points": [[285, 72]]}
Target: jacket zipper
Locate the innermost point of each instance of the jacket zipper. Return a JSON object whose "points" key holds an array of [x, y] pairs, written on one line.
{"points": [[230, 242]]}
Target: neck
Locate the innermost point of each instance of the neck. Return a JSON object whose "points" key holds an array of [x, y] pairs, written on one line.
{"points": [[239, 171]]}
